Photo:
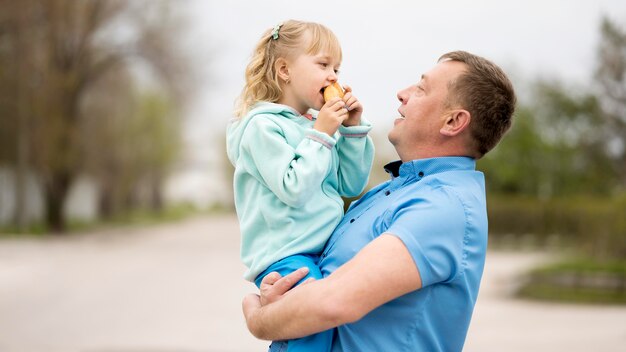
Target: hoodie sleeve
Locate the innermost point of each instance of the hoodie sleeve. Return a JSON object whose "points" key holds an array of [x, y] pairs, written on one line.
{"points": [[292, 174], [356, 154]]}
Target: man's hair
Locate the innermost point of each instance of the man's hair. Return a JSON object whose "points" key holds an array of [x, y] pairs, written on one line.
{"points": [[487, 93]]}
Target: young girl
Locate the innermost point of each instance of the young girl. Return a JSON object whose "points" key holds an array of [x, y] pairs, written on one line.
{"points": [[292, 163]]}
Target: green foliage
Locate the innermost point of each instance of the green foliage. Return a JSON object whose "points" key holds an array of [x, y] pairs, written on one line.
{"points": [[154, 136], [593, 226], [555, 148], [142, 143], [55, 56], [508, 166], [568, 141], [558, 180]]}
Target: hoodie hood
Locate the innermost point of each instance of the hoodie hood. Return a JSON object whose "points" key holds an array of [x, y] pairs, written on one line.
{"points": [[237, 127]]}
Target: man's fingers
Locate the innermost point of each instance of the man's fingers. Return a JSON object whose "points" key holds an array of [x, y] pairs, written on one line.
{"points": [[284, 284], [275, 287], [271, 278]]}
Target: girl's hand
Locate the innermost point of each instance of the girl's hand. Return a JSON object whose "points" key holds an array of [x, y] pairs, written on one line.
{"points": [[331, 116], [354, 107]]}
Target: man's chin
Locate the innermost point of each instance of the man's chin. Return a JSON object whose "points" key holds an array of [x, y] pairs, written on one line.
{"points": [[391, 138]]}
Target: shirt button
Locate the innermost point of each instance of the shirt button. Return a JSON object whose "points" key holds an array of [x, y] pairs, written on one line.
{"points": [[351, 221], [387, 193]]}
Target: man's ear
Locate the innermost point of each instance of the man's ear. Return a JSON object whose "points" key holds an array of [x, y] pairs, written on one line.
{"points": [[456, 122], [282, 69]]}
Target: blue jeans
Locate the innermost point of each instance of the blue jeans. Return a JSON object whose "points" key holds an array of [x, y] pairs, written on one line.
{"points": [[320, 342]]}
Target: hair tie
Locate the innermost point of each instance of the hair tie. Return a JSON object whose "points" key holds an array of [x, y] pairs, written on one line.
{"points": [[275, 31]]}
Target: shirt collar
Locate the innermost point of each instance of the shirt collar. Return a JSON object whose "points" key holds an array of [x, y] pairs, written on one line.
{"points": [[430, 166]]}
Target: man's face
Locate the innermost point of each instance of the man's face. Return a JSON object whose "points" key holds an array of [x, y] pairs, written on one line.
{"points": [[422, 110]]}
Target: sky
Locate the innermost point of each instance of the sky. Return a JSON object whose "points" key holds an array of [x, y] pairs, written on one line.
{"points": [[387, 45]]}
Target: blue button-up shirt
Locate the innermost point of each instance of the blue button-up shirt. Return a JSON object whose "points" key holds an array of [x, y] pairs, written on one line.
{"points": [[437, 208]]}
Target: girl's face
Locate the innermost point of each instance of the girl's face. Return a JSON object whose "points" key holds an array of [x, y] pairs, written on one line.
{"points": [[308, 76]]}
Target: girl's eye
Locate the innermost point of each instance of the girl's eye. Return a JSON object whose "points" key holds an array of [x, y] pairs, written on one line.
{"points": [[336, 72]]}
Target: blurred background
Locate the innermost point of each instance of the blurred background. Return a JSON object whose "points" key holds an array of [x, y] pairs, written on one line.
{"points": [[112, 163]]}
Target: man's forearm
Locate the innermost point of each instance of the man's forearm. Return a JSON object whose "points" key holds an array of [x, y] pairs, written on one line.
{"points": [[380, 272], [305, 310]]}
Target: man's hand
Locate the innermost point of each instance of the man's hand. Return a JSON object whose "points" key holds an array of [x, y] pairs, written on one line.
{"points": [[273, 288]]}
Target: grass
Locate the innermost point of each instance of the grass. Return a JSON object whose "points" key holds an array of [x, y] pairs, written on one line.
{"points": [[140, 217], [579, 280], [586, 265], [572, 295]]}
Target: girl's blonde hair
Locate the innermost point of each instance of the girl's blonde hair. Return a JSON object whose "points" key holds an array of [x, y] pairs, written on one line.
{"points": [[261, 76]]}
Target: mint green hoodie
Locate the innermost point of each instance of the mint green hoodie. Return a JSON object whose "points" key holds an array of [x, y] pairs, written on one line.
{"points": [[289, 179]]}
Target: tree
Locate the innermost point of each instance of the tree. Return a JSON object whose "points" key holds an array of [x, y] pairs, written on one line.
{"points": [[15, 62], [141, 140], [158, 144], [610, 78], [556, 147], [62, 49]]}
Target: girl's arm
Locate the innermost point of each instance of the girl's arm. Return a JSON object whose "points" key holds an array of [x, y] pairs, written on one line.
{"points": [[356, 154], [292, 174]]}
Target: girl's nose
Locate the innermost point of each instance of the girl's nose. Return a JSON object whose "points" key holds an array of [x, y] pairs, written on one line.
{"points": [[333, 77]]}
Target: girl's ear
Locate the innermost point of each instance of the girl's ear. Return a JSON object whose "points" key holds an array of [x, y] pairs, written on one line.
{"points": [[282, 69], [455, 123]]}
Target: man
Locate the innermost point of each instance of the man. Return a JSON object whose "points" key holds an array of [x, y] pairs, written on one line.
{"points": [[403, 268]]}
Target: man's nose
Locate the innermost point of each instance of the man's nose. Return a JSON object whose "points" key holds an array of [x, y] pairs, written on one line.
{"points": [[402, 96]]}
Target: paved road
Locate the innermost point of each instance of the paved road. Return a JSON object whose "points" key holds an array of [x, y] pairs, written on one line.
{"points": [[178, 287]]}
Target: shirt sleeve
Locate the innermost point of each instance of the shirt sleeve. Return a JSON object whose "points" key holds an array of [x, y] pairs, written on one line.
{"points": [[291, 173], [356, 154], [433, 230]]}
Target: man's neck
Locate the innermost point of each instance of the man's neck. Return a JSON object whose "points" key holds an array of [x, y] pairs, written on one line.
{"points": [[431, 154], [430, 151]]}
